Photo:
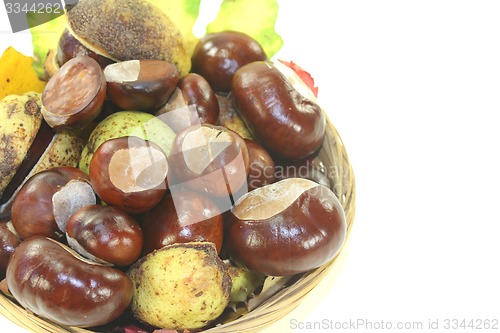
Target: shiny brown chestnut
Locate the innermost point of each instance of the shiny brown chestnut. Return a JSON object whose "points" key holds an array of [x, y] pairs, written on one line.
{"points": [[74, 95], [130, 173], [47, 199], [143, 85], [55, 283], [285, 228], [219, 55], [181, 217], [9, 240], [69, 47], [197, 91], [210, 159], [261, 171], [312, 168], [193, 90], [279, 109], [105, 234]]}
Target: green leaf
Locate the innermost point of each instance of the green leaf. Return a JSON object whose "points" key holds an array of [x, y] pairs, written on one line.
{"points": [[183, 14], [44, 37], [256, 18]]}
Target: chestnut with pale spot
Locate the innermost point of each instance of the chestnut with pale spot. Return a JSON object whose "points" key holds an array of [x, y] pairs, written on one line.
{"points": [[130, 173], [289, 227], [47, 199], [144, 85], [210, 159]]}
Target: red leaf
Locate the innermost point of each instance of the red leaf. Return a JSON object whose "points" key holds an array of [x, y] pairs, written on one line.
{"points": [[303, 74], [133, 329]]}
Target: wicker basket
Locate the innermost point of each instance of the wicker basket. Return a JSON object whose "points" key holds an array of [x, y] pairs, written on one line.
{"points": [[334, 163]]}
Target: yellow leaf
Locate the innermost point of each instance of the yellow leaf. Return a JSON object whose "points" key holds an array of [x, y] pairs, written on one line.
{"points": [[17, 75], [183, 14]]}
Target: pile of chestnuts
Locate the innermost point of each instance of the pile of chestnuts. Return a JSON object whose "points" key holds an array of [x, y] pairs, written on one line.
{"points": [[175, 188]]}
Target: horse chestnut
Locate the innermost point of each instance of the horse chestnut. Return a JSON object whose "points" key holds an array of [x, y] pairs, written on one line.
{"points": [[279, 109], [185, 216], [210, 159], [130, 173], [286, 228], [144, 85], [69, 47], [53, 282], [47, 199], [262, 169], [193, 102], [74, 95], [105, 234], [8, 243], [219, 55]]}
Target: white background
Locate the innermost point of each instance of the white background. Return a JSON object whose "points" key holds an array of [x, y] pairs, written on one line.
{"points": [[414, 89]]}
